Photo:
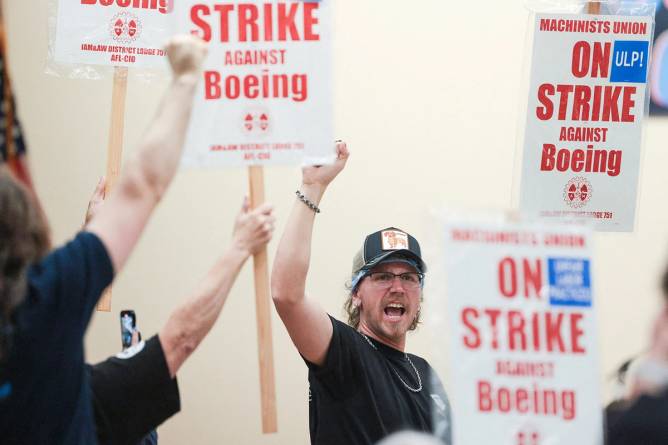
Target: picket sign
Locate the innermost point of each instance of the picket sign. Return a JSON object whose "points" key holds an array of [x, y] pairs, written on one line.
{"points": [[265, 99], [523, 346], [263, 315], [583, 133]]}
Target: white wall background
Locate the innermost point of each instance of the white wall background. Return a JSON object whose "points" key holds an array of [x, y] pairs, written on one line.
{"points": [[426, 95]]}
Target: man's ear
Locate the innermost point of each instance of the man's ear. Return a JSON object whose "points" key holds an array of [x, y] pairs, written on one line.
{"points": [[357, 301]]}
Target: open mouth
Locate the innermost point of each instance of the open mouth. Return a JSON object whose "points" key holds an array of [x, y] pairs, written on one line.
{"points": [[394, 310]]}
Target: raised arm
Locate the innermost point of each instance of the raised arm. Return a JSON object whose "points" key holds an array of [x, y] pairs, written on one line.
{"points": [[120, 222], [188, 324], [306, 322]]}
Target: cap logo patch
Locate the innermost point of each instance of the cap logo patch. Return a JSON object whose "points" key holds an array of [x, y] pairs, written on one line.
{"points": [[394, 240]]}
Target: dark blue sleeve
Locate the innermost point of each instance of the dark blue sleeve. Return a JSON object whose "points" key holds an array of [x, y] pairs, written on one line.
{"points": [[70, 280]]}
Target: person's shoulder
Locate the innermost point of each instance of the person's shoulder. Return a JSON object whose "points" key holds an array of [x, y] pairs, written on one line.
{"points": [[344, 336], [338, 324], [422, 363], [88, 241], [71, 277], [87, 251], [342, 329], [69, 257], [419, 359], [78, 246]]}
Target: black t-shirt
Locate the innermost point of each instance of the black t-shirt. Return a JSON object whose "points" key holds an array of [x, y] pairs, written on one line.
{"points": [[361, 393], [644, 422], [49, 401], [133, 393]]}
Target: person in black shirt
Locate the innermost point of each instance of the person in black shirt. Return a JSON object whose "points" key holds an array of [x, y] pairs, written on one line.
{"points": [[47, 300], [363, 385], [642, 417], [135, 391]]}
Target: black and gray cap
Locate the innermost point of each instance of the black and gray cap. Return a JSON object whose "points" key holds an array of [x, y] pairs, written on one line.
{"points": [[390, 243]]}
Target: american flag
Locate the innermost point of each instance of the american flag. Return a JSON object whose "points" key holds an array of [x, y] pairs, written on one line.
{"points": [[12, 145]]}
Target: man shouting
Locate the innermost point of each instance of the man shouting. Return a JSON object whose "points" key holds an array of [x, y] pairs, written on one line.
{"points": [[363, 384]]}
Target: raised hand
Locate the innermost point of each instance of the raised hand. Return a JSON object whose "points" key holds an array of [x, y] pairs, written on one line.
{"points": [[322, 175], [253, 229], [186, 54]]}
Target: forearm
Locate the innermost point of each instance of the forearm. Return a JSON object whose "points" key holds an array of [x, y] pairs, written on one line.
{"points": [[162, 145], [291, 263], [191, 322]]}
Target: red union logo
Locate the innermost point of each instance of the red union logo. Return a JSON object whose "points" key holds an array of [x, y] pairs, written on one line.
{"points": [[125, 27], [264, 122], [132, 28], [528, 438], [118, 27], [256, 122], [577, 192]]}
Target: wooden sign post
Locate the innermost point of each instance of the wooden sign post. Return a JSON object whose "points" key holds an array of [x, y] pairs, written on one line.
{"points": [[115, 149], [263, 315]]}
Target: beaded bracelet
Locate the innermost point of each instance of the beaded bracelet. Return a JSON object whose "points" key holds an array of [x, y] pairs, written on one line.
{"points": [[306, 201]]}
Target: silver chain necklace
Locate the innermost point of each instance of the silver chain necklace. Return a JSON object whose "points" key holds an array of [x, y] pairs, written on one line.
{"points": [[419, 388]]}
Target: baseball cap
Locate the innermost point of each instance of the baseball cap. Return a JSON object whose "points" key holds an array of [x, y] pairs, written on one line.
{"points": [[388, 244]]}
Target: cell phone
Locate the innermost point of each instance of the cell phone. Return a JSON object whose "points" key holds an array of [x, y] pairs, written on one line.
{"points": [[128, 326]]}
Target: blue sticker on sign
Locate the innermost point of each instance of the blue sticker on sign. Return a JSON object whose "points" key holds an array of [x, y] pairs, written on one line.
{"points": [[570, 283], [629, 61]]}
